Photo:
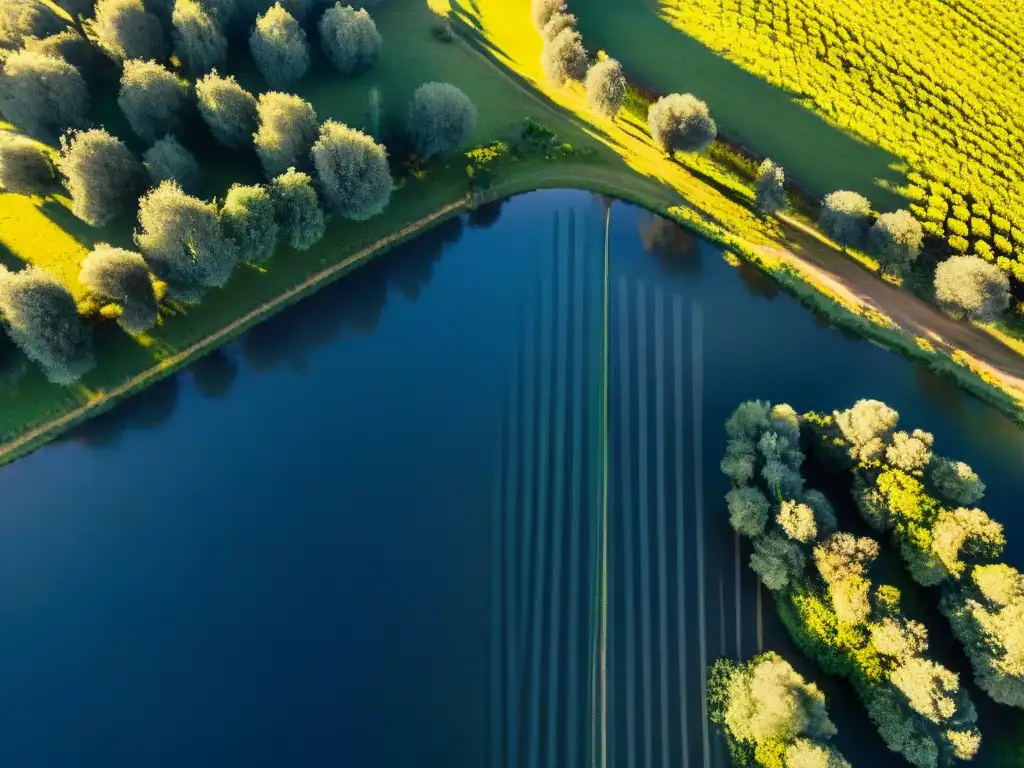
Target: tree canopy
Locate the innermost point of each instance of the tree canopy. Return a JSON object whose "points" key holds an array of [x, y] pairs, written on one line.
{"points": [[971, 288], [228, 110], [606, 88], [168, 160], [198, 40], [299, 216], [122, 277], [279, 48], [41, 94], [441, 119], [844, 217], [352, 170], [349, 39], [101, 175], [681, 122], [248, 218], [564, 58], [125, 30], [287, 130], [895, 240], [770, 188], [25, 166]]}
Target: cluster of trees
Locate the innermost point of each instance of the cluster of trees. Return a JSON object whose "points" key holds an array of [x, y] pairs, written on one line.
{"points": [[771, 717], [821, 581], [925, 502]]}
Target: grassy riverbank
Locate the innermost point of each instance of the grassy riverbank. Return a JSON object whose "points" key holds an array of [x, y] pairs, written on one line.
{"points": [[496, 63]]}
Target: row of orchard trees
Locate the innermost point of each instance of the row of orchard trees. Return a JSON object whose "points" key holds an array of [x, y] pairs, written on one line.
{"points": [[822, 584], [927, 503], [187, 245]]}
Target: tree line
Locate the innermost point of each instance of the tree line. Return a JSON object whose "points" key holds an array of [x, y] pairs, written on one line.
{"points": [[821, 580], [186, 245]]}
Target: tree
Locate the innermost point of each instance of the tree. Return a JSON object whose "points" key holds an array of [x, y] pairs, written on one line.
{"points": [[22, 19], [198, 41], [42, 319], [968, 287], [543, 10], [25, 166], [441, 119], [154, 100], [681, 122], [125, 30], [225, 13], [247, 218], [287, 129], [899, 637], [929, 688], [798, 521], [606, 88], [68, 45], [100, 173], [228, 110], [867, 427], [564, 58], [349, 39], [299, 216], [844, 216], [770, 188], [42, 95], [777, 560], [122, 276], [181, 239], [843, 562], [167, 160], [895, 240], [910, 452], [749, 510], [965, 534], [279, 48], [956, 481], [804, 753], [559, 20], [352, 170]]}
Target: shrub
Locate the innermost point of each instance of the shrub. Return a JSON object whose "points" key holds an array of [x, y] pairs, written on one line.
{"points": [[181, 239], [228, 110], [122, 277], [198, 41], [25, 166], [154, 100], [22, 19], [352, 170], [681, 122], [42, 319], [895, 240], [770, 188], [68, 45], [970, 287], [167, 160], [543, 10], [441, 119], [278, 46], [100, 173], [287, 129], [41, 94], [606, 88], [125, 30], [349, 38], [247, 217], [844, 216], [559, 20], [564, 58], [299, 216]]}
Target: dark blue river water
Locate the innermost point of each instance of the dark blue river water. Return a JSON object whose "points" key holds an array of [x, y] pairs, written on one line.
{"points": [[391, 525]]}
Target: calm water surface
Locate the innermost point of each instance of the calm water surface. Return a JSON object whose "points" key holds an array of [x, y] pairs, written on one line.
{"points": [[377, 529]]}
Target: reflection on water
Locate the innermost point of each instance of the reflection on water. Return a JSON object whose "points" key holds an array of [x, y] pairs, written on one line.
{"points": [[485, 215], [148, 410], [677, 249], [214, 374]]}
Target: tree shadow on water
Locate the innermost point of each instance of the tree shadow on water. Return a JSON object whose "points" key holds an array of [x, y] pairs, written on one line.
{"points": [[355, 303], [676, 248], [213, 374], [485, 215], [147, 410]]}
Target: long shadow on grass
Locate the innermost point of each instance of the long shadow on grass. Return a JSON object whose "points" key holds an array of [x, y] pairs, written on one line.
{"points": [[749, 110]]}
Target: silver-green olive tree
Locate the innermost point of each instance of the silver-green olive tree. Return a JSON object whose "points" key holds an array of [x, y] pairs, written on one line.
{"points": [[182, 241], [101, 175], [844, 217], [441, 119], [26, 167], [543, 10], [279, 48], [352, 170], [198, 42], [154, 100], [564, 58], [23, 19], [968, 287], [70, 46], [168, 160], [42, 319], [228, 110], [248, 218], [349, 39], [300, 218], [42, 95], [681, 122], [287, 130], [895, 240], [125, 30], [122, 277], [770, 188], [606, 88], [559, 20]]}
